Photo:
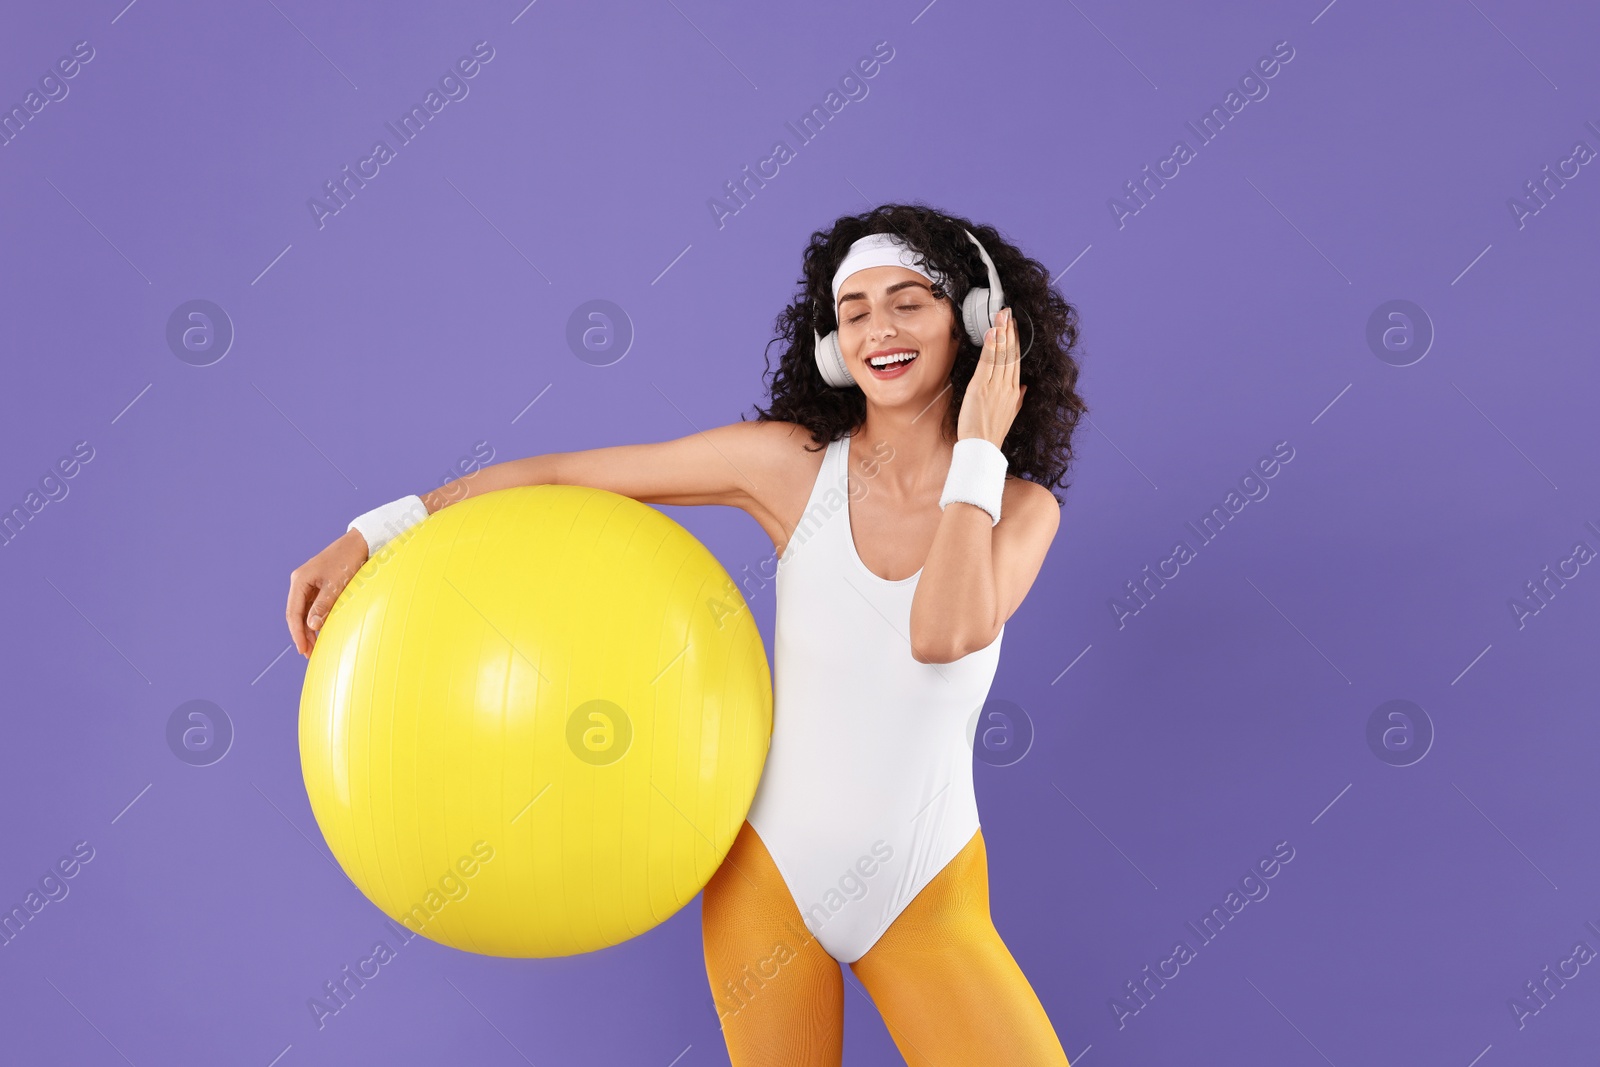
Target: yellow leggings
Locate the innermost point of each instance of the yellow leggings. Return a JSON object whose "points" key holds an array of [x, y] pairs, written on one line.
{"points": [[946, 985]]}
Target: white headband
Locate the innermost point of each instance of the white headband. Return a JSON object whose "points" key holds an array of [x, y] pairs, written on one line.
{"points": [[881, 250]]}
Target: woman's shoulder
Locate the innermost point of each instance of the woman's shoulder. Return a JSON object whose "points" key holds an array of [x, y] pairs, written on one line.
{"points": [[1022, 496], [779, 462]]}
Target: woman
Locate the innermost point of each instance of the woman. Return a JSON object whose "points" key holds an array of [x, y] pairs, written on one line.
{"points": [[902, 550]]}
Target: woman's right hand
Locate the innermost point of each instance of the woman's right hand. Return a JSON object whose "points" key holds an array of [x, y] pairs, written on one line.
{"points": [[317, 583]]}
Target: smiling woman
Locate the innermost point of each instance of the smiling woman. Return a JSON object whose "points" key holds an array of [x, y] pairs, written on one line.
{"points": [[888, 632]]}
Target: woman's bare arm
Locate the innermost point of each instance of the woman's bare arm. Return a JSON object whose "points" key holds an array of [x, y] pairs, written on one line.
{"points": [[714, 466], [702, 468], [978, 573]]}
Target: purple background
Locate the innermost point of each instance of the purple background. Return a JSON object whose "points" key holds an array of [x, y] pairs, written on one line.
{"points": [[1230, 313]]}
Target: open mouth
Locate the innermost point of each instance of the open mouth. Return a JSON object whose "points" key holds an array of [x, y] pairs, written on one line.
{"points": [[892, 365]]}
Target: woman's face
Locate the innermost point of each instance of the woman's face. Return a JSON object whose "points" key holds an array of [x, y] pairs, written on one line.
{"points": [[885, 315]]}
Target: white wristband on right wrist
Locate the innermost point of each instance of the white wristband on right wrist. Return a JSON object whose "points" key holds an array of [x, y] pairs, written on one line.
{"points": [[977, 476], [383, 524]]}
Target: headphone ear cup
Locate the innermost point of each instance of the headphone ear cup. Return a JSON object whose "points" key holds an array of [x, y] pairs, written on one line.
{"points": [[830, 361], [976, 314], [981, 305]]}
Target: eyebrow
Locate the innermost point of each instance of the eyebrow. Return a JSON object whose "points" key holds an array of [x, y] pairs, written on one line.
{"points": [[844, 298]]}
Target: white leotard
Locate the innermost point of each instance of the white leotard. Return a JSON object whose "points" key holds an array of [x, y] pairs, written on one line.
{"points": [[867, 791]]}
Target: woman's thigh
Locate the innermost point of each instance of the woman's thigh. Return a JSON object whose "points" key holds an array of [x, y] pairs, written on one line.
{"points": [[947, 986], [779, 995]]}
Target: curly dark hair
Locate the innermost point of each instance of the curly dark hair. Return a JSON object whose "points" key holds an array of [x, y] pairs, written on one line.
{"points": [[1039, 443]]}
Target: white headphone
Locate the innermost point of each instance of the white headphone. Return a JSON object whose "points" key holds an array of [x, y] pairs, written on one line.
{"points": [[978, 310]]}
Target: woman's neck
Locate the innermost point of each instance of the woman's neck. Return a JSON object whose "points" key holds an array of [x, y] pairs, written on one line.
{"points": [[911, 450]]}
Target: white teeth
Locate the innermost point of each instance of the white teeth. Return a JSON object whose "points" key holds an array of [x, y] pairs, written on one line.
{"points": [[899, 357]]}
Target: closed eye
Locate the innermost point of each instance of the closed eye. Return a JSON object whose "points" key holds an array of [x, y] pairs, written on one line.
{"points": [[902, 307]]}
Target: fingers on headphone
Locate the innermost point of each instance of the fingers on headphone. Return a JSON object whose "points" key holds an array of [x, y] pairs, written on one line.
{"points": [[1007, 349]]}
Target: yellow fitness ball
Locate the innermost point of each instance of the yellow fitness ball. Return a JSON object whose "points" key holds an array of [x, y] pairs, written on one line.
{"points": [[533, 725]]}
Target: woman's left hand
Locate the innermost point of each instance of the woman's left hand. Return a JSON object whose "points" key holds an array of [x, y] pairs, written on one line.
{"points": [[994, 396]]}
